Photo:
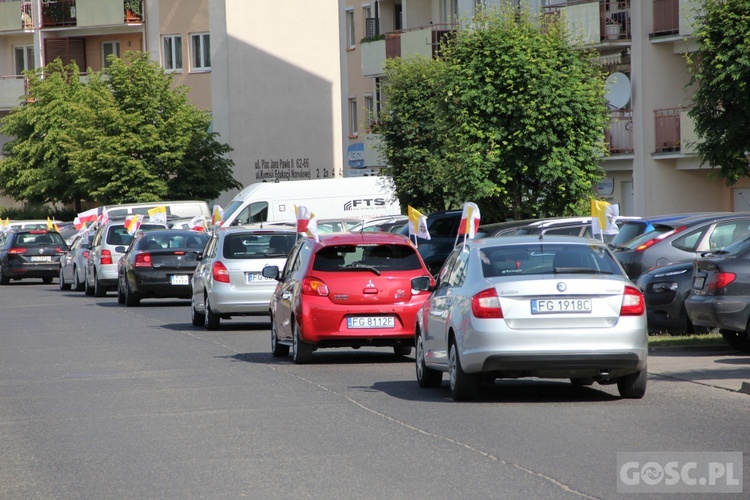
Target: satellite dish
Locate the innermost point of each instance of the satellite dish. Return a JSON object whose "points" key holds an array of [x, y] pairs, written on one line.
{"points": [[618, 90]]}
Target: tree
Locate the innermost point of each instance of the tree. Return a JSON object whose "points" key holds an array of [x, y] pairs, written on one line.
{"points": [[721, 77], [126, 135], [510, 116]]}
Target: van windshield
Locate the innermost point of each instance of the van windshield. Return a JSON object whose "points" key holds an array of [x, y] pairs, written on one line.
{"points": [[232, 208]]}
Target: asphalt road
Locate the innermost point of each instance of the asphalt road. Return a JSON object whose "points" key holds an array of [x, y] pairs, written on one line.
{"points": [[102, 401]]}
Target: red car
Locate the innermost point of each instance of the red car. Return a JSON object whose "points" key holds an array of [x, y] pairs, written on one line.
{"points": [[347, 290]]}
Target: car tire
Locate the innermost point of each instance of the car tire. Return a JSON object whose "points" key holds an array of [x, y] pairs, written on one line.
{"points": [[582, 381], [464, 386], [87, 289], [211, 319], [120, 292], [278, 350], [301, 351], [47, 280], [4, 280], [401, 350], [62, 283], [426, 377], [78, 286], [131, 299], [99, 290], [633, 386], [737, 340], [196, 318]]}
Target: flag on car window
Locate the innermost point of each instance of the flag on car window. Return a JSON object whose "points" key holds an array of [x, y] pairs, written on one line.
{"points": [[218, 215], [418, 223], [88, 216], [104, 216], [306, 222], [51, 226], [198, 223], [604, 217], [469, 220], [132, 224], [158, 214]]}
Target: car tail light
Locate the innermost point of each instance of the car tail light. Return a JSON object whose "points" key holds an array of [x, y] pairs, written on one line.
{"points": [[486, 304], [17, 251], [106, 257], [59, 250], [220, 272], [314, 286], [720, 280], [143, 260], [633, 303], [654, 241], [85, 254]]}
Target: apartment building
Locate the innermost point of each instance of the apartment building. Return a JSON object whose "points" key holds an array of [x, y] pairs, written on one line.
{"points": [[652, 168], [269, 71]]}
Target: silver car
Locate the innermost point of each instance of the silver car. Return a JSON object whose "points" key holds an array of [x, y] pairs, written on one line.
{"points": [[532, 306], [73, 263], [228, 280]]}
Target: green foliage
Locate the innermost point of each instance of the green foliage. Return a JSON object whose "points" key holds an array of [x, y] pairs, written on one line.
{"points": [[721, 76], [33, 212], [510, 117], [124, 136]]}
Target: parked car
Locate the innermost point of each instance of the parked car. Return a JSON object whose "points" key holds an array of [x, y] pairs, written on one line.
{"points": [[665, 289], [347, 290], [390, 223], [570, 226], [443, 229], [159, 264], [109, 244], [632, 228], [73, 263], [228, 280], [30, 253], [720, 294], [681, 240], [523, 306]]}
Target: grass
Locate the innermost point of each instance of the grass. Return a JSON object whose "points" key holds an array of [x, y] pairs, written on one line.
{"points": [[707, 339]]}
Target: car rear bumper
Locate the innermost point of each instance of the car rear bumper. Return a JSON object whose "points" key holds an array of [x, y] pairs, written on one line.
{"points": [[230, 300], [46, 270], [566, 365], [729, 313]]}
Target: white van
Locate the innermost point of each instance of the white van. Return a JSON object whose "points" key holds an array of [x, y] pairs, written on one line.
{"points": [[342, 198]]}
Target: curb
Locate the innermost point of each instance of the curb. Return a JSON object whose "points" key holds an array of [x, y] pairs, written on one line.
{"points": [[745, 389], [688, 348]]}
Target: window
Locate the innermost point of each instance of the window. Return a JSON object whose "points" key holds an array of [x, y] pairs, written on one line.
{"points": [[24, 56], [172, 52], [371, 23], [350, 35], [370, 109], [107, 49], [352, 117], [200, 48]]}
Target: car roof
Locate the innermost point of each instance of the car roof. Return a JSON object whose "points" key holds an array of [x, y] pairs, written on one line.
{"points": [[355, 238], [536, 238], [258, 228], [703, 218]]}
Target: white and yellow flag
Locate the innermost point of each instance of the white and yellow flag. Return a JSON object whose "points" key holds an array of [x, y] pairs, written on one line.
{"points": [[158, 214], [418, 224], [604, 217]]}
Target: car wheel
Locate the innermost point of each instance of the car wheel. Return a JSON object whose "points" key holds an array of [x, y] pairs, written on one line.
{"points": [[633, 386], [582, 381], [197, 318], [401, 350], [77, 284], [120, 292], [426, 377], [99, 290], [737, 340], [211, 319], [301, 351], [4, 280], [278, 350], [87, 289], [464, 386], [47, 280], [131, 299], [61, 281]]}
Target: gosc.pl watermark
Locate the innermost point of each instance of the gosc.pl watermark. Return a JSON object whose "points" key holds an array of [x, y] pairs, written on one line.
{"points": [[679, 472]]}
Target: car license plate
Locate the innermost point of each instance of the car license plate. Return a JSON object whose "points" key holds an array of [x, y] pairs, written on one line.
{"points": [[370, 322], [179, 279], [41, 258], [549, 306], [698, 282], [255, 277]]}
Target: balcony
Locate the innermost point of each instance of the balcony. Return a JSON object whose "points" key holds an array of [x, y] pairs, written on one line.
{"points": [[595, 22], [84, 13], [11, 90], [620, 132], [426, 41], [674, 17], [15, 16]]}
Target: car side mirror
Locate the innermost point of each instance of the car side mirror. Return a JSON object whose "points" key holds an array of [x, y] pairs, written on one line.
{"points": [[120, 248], [193, 256], [421, 284], [271, 272], [86, 246]]}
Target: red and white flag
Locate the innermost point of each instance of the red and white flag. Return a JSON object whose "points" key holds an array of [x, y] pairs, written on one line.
{"points": [[88, 216], [218, 215], [469, 220], [198, 223], [104, 216], [132, 224], [306, 223]]}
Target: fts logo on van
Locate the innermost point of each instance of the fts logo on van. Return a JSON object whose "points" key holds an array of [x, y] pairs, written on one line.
{"points": [[364, 203]]}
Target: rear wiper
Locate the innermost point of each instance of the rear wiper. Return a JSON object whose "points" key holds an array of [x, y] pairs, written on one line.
{"points": [[363, 268]]}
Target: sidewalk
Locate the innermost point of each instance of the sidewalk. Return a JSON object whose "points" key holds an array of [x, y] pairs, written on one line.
{"points": [[715, 366]]}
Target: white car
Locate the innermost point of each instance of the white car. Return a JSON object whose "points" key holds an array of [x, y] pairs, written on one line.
{"points": [[532, 306], [228, 280]]}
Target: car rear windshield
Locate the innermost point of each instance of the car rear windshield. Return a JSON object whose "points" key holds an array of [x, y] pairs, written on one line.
{"points": [[189, 240], [643, 238], [628, 231], [381, 257], [118, 235], [258, 245], [38, 239], [510, 260]]}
